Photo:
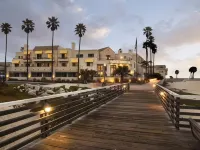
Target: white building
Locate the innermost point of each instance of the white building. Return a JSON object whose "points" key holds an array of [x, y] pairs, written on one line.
{"points": [[162, 69], [66, 61]]}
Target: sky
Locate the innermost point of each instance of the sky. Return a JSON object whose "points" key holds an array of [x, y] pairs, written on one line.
{"points": [[113, 23]]}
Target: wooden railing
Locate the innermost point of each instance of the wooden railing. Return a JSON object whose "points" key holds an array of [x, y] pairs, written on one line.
{"points": [[27, 120], [178, 107]]}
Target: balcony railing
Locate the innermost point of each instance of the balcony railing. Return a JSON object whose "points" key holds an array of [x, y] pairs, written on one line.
{"points": [[27, 120]]}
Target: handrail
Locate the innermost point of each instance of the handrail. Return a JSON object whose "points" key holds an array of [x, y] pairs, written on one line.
{"points": [[38, 117], [178, 108]]}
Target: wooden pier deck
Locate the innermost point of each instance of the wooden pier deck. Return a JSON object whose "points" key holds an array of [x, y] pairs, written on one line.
{"points": [[133, 121]]}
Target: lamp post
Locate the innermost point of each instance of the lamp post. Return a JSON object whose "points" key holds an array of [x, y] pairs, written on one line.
{"points": [[104, 75]]}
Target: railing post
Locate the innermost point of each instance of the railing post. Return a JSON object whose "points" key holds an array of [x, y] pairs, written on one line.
{"points": [[177, 101]]}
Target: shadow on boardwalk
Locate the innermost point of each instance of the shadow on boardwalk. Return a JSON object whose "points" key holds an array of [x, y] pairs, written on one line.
{"points": [[133, 121]]}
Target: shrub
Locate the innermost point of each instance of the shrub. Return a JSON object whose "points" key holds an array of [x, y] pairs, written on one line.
{"points": [[116, 80], [134, 80], [84, 88], [67, 81], [73, 88], [58, 80], [125, 80], [98, 80], [12, 79], [34, 80]]}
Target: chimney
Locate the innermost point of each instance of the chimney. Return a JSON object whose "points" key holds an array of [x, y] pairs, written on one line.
{"points": [[119, 51], [25, 46], [73, 46]]}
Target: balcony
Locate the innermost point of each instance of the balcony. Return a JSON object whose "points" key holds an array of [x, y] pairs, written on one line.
{"points": [[40, 69], [42, 59], [63, 59], [66, 69], [17, 69]]}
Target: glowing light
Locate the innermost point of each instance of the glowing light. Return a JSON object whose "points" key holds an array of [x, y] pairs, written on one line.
{"points": [[124, 86], [47, 108], [154, 85], [162, 93], [53, 76], [79, 76], [7, 75], [104, 65], [101, 73], [139, 79], [129, 80], [121, 57], [29, 75]]}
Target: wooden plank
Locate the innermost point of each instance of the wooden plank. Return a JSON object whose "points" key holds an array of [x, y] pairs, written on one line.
{"points": [[133, 121]]}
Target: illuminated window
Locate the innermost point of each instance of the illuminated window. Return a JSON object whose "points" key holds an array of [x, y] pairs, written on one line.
{"points": [[100, 67], [49, 55]]}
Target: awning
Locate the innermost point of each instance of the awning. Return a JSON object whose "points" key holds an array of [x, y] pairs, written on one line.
{"points": [[15, 61], [38, 52], [48, 52], [25, 52], [89, 60], [74, 60], [63, 51]]}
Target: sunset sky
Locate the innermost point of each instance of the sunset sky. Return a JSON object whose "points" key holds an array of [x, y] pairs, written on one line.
{"points": [[114, 23]]}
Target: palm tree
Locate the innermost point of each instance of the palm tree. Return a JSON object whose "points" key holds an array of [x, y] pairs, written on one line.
{"points": [[6, 29], [177, 72], [145, 45], [154, 51], [92, 73], [148, 32], [80, 31], [192, 70], [28, 27], [122, 71], [53, 25], [151, 40]]}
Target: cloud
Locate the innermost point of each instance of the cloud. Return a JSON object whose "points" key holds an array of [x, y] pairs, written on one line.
{"points": [[99, 33]]}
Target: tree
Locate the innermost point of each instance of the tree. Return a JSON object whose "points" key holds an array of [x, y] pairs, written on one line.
{"points": [[192, 70], [122, 71], [28, 27], [92, 73], [53, 25], [145, 45], [150, 40], [154, 51], [80, 31], [147, 31], [6, 29], [177, 72]]}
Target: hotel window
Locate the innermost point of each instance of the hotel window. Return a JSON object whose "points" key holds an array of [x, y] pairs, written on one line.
{"points": [[28, 65], [16, 65], [124, 57], [107, 57], [99, 67], [112, 68], [19, 57], [81, 56], [39, 65], [63, 56], [64, 65], [49, 56], [39, 56], [89, 63], [74, 64], [90, 55], [134, 65]]}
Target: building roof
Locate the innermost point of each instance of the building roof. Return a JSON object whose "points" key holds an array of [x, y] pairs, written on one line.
{"points": [[103, 48], [55, 47]]}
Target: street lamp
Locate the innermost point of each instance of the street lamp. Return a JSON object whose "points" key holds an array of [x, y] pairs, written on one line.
{"points": [[104, 74]]}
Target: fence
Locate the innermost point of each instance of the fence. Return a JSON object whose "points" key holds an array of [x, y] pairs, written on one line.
{"points": [[27, 120], [178, 108]]}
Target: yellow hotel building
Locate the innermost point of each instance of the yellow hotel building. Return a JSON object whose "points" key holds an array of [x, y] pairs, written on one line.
{"points": [[65, 62]]}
